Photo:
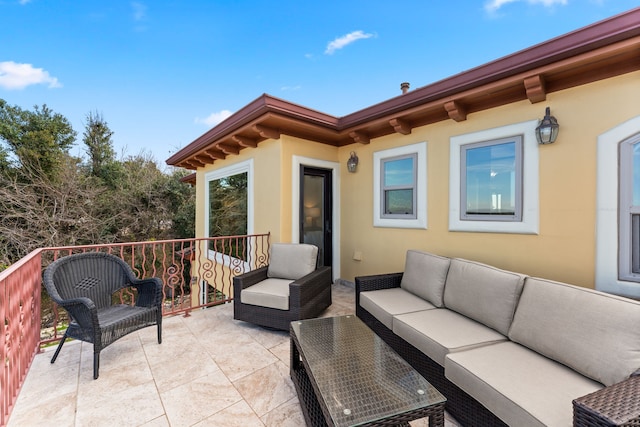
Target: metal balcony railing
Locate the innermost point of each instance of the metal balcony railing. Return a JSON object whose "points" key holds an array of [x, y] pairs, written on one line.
{"points": [[196, 273]]}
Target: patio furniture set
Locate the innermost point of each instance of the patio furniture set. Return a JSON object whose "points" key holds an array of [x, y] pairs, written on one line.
{"points": [[493, 346], [508, 349]]}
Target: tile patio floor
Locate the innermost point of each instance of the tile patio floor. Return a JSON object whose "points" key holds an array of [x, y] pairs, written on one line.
{"points": [[209, 371]]}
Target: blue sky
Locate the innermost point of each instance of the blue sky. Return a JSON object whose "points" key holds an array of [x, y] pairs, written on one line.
{"points": [[162, 73]]}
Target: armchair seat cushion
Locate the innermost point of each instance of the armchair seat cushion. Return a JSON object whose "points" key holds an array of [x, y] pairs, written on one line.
{"points": [[384, 304], [271, 293]]}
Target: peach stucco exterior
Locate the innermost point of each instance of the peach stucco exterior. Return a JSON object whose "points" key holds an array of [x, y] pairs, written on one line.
{"points": [[571, 236], [565, 247]]}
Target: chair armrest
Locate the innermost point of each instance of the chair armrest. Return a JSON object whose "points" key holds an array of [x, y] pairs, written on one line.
{"points": [[307, 287], [616, 405], [82, 310], [149, 292], [250, 278]]}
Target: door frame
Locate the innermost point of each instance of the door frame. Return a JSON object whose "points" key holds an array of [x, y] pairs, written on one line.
{"points": [[299, 161]]}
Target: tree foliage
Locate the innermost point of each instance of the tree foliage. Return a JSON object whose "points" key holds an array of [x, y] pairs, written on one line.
{"points": [[51, 198], [37, 139]]}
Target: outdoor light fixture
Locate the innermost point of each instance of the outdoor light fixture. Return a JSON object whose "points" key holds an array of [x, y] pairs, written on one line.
{"points": [[352, 163], [547, 130]]}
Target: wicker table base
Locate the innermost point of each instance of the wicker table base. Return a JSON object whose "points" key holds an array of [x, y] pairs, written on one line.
{"points": [[346, 375], [617, 405]]}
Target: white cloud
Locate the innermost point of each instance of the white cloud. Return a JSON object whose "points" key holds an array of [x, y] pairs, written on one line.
{"points": [[345, 40], [494, 5], [214, 118], [19, 76]]}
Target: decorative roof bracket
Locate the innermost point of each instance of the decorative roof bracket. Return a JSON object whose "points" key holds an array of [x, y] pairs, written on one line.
{"points": [[228, 149], [400, 126], [244, 142], [535, 87], [360, 137], [456, 111], [266, 132]]}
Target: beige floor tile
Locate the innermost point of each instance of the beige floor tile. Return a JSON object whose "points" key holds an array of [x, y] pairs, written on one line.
{"points": [[236, 415], [210, 370], [127, 406], [244, 360], [58, 410], [199, 399], [267, 388], [288, 414]]}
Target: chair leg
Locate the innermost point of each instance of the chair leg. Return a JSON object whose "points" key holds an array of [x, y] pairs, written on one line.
{"points": [[96, 364], [160, 329], [55, 355]]}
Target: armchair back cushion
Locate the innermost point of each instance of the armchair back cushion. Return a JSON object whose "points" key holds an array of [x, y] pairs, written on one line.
{"points": [[425, 275], [593, 333], [485, 294], [291, 260]]}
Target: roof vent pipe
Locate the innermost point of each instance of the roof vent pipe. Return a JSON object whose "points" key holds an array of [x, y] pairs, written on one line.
{"points": [[405, 87]]}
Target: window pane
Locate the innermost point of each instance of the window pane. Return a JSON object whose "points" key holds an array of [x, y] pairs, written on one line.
{"points": [[636, 175], [398, 172], [228, 206], [491, 180], [398, 202]]}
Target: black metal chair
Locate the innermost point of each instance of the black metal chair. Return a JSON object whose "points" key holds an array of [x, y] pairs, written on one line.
{"points": [[289, 288], [84, 284]]}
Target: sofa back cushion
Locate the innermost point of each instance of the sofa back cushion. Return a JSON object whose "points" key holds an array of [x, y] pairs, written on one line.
{"points": [[485, 294], [594, 333], [424, 276], [291, 260]]}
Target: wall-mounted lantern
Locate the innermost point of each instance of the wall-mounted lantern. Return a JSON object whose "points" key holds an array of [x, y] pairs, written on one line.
{"points": [[547, 130], [352, 163]]}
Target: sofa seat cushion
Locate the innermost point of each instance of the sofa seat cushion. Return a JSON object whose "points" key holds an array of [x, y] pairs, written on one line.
{"points": [[439, 332], [291, 260], [518, 385], [383, 304], [595, 333], [483, 293], [425, 275], [271, 293]]}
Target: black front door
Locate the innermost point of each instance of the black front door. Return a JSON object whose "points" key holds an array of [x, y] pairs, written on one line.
{"points": [[316, 209]]}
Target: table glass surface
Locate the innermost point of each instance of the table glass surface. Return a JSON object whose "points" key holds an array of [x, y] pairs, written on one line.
{"points": [[360, 378]]}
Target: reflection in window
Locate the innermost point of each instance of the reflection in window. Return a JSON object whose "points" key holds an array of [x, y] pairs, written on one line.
{"points": [[398, 186], [491, 180], [629, 210]]}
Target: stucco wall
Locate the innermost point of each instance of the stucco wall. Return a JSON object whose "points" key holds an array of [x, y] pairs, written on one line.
{"points": [[272, 183], [563, 250]]}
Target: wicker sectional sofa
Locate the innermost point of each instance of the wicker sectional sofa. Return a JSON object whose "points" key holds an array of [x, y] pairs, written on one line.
{"points": [[508, 349]]}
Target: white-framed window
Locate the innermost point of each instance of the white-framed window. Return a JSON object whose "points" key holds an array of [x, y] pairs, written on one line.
{"points": [[629, 210], [609, 277], [398, 183], [229, 200], [493, 180], [400, 187]]}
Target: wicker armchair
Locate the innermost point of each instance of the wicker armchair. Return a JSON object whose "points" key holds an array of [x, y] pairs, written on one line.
{"points": [[83, 284], [289, 288]]}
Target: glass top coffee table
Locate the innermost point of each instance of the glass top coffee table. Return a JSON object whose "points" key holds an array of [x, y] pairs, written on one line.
{"points": [[346, 375]]}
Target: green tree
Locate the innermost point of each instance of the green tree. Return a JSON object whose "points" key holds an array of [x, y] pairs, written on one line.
{"points": [[38, 140], [99, 147]]}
